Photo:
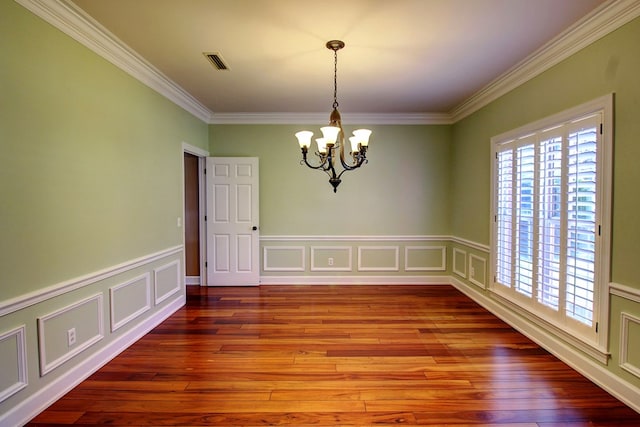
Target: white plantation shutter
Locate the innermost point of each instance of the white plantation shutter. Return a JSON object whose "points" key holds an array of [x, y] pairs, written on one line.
{"points": [[504, 217], [547, 192], [549, 221], [581, 221]]}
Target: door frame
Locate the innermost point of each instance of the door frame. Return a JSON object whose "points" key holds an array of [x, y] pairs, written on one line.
{"points": [[202, 238]]}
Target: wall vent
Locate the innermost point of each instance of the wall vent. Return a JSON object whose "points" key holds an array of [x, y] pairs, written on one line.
{"points": [[216, 60]]}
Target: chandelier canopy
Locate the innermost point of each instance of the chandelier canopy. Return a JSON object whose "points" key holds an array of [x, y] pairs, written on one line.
{"points": [[331, 145]]}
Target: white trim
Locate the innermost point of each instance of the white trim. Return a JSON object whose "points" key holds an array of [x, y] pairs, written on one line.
{"points": [[454, 261], [192, 280], [349, 250], [192, 149], [355, 280], [624, 291], [32, 405], [48, 366], [21, 358], [625, 319], [156, 272], [471, 244], [395, 267], [472, 275], [594, 371], [600, 22], [601, 104], [265, 258], [340, 238], [143, 308], [73, 21], [32, 298], [443, 258], [321, 118]]}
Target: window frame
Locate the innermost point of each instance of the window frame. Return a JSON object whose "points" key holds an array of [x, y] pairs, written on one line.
{"points": [[595, 342]]}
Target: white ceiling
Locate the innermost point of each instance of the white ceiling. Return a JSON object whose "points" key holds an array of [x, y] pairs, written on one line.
{"points": [[401, 56]]}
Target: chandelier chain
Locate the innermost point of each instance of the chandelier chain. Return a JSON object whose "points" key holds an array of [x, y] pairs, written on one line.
{"points": [[335, 79]]}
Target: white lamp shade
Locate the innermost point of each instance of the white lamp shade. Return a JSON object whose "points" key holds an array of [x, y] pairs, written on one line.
{"points": [[362, 136], [330, 134], [304, 138], [354, 144], [322, 145]]}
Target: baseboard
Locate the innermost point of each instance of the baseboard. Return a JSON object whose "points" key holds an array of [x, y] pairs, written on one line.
{"points": [[192, 280], [354, 280], [622, 390], [38, 402]]}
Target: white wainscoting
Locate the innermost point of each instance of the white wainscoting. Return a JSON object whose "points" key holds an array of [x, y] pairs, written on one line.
{"points": [[397, 259], [14, 362], [54, 314], [53, 327], [129, 300]]}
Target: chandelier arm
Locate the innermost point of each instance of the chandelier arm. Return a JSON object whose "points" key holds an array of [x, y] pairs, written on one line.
{"points": [[359, 159], [321, 166]]}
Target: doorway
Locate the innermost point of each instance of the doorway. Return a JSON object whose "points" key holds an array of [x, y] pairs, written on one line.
{"points": [[194, 238]]}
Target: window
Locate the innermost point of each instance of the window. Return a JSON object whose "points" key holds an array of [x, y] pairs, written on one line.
{"points": [[550, 230]]}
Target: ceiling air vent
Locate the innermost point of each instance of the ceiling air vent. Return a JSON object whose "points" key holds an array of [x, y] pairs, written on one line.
{"points": [[216, 60]]}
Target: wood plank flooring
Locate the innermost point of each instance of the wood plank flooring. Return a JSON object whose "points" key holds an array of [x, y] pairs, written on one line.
{"points": [[335, 356]]}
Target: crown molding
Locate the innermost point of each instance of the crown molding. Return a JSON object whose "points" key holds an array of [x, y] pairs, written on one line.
{"points": [[600, 22], [68, 18], [71, 20], [322, 118]]}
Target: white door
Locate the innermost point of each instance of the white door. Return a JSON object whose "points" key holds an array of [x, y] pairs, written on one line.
{"points": [[232, 221]]}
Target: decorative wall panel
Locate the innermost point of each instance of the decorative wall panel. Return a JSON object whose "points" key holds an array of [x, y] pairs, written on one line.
{"points": [[82, 319], [283, 258], [14, 362], [459, 261], [166, 281], [331, 258], [129, 300], [425, 258], [378, 258]]}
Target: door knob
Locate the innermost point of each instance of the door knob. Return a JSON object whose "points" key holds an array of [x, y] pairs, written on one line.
{"points": [[254, 228]]}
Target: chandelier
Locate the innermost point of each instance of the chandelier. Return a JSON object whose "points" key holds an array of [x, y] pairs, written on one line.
{"points": [[331, 145]]}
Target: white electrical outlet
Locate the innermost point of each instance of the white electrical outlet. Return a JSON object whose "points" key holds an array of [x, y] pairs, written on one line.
{"points": [[71, 337], [330, 261]]}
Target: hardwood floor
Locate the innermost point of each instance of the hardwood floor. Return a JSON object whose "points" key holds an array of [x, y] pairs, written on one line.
{"points": [[332, 356]]}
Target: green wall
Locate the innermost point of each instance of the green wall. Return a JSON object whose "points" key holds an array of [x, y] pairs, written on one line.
{"points": [[90, 193], [90, 164], [401, 191], [610, 65]]}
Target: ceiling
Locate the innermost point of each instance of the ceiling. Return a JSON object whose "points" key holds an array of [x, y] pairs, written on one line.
{"points": [[401, 56]]}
